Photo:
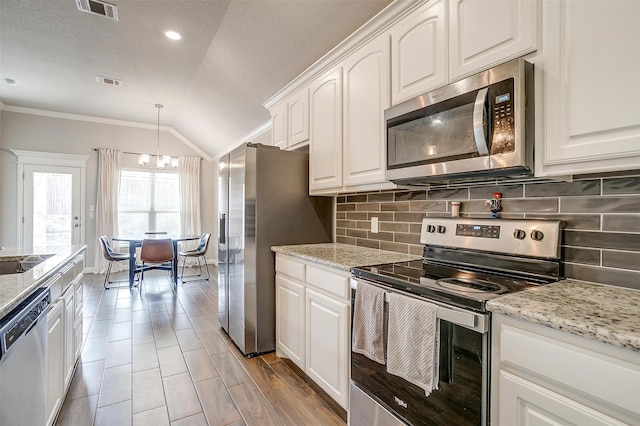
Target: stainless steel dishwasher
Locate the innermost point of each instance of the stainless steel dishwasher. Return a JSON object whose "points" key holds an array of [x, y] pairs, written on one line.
{"points": [[23, 347]]}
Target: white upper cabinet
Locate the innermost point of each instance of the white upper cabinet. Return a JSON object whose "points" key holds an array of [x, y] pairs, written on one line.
{"points": [[484, 33], [588, 88], [279, 126], [298, 129], [325, 131], [419, 52], [366, 96], [290, 121]]}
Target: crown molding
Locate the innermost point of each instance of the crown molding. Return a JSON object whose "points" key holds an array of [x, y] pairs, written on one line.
{"points": [[386, 18], [109, 121], [264, 127]]}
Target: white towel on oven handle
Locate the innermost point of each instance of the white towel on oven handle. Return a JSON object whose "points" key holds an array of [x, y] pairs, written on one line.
{"points": [[368, 322], [413, 344]]}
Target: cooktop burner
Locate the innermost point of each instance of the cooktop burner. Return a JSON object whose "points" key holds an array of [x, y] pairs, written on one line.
{"points": [[456, 285]]}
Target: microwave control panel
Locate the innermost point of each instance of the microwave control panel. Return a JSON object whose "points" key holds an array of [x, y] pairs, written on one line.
{"points": [[501, 104]]}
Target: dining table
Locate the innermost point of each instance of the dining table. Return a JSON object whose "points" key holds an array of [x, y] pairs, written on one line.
{"points": [[136, 241]]}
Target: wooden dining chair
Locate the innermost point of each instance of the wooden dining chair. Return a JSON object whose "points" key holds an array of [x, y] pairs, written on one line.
{"points": [[111, 256], [155, 254], [199, 253]]}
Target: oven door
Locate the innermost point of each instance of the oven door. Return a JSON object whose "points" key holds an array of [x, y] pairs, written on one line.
{"points": [[462, 397]]}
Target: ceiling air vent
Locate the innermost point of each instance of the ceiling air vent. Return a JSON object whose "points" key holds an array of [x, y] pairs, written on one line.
{"points": [[108, 81], [98, 8]]}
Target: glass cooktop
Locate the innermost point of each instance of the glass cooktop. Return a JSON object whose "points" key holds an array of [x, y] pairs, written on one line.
{"points": [[455, 285]]}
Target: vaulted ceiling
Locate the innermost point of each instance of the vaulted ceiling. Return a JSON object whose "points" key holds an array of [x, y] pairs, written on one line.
{"points": [[233, 56]]}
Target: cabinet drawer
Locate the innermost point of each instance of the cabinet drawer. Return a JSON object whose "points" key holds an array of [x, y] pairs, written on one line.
{"points": [[332, 283], [290, 267], [606, 378]]}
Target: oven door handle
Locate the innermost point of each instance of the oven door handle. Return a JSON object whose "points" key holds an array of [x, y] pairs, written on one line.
{"points": [[471, 320], [456, 317], [479, 122]]}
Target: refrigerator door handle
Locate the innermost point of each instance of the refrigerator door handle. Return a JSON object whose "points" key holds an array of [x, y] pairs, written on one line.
{"points": [[222, 229]]}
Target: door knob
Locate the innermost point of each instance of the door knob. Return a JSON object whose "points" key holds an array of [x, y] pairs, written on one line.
{"points": [[76, 225], [76, 217]]}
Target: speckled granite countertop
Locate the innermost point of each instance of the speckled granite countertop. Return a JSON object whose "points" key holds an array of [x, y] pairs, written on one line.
{"points": [[605, 313], [343, 256], [14, 288]]}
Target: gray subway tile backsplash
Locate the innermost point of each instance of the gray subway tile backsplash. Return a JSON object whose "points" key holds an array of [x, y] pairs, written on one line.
{"points": [[621, 223], [601, 239], [578, 188], [411, 195], [630, 185], [602, 204], [486, 192], [621, 259], [581, 255], [604, 240]]}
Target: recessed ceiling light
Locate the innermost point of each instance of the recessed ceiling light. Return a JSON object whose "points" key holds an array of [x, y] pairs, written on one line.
{"points": [[11, 82], [173, 35]]}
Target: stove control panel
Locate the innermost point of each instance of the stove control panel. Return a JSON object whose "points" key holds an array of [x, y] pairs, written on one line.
{"points": [[482, 231], [526, 237]]}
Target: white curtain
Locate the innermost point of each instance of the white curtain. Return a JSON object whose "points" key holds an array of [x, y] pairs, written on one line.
{"points": [[189, 170], [109, 165]]}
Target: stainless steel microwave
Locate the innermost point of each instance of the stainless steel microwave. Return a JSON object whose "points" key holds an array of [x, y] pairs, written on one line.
{"points": [[474, 129]]}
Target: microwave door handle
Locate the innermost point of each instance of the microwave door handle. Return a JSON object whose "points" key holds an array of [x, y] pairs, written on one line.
{"points": [[478, 122]]}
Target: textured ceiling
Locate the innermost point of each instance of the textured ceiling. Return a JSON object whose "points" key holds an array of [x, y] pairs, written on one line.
{"points": [[234, 55]]}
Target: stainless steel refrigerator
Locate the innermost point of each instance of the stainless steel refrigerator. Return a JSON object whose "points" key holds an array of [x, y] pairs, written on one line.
{"points": [[263, 200]]}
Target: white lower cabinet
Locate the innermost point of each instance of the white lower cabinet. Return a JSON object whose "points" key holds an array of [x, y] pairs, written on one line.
{"points": [[542, 376], [526, 403], [64, 333], [290, 320], [327, 331], [55, 359], [313, 319], [69, 333], [79, 306]]}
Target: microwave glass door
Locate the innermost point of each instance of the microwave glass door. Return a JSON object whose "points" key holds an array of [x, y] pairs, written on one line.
{"points": [[441, 132]]}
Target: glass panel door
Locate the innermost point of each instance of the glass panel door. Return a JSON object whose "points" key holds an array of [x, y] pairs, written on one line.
{"points": [[51, 205]]}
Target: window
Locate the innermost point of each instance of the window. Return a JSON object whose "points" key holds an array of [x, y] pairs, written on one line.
{"points": [[149, 202]]}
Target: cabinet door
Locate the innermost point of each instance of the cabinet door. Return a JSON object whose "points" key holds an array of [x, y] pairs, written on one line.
{"points": [[524, 403], [366, 96], [279, 126], [79, 304], [69, 333], [327, 345], [325, 141], [419, 52], [588, 113], [483, 33], [290, 320], [55, 359], [298, 108]]}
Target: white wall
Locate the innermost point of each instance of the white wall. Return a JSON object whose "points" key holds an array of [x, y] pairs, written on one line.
{"points": [[30, 132]]}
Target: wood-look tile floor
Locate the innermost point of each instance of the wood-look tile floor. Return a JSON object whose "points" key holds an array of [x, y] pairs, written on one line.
{"points": [[157, 356]]}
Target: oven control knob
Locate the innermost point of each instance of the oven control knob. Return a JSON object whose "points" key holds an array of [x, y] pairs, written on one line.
{"points": [[537, 235], [519, 234], [431, 229], [441, 229]]}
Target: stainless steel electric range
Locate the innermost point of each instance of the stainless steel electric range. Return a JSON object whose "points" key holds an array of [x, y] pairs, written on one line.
{"points": [[466, 262]]}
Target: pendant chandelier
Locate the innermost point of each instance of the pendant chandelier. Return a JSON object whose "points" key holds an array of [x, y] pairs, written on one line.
{"points": [[162, 161]]}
